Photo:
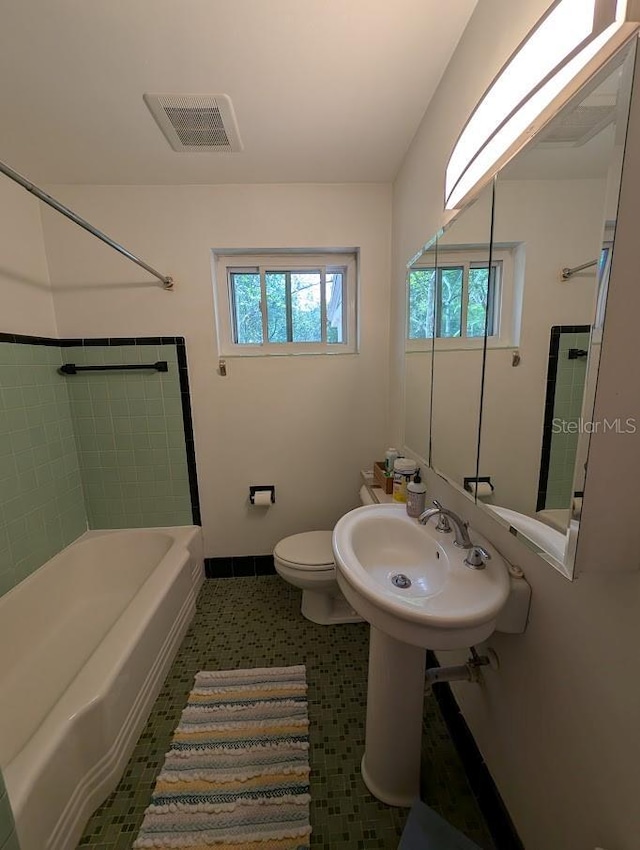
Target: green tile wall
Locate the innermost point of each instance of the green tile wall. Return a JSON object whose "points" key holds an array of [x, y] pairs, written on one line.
{"points": [[8, 838], [41, 499], [130, 436], [98, 450], [570, 378]]}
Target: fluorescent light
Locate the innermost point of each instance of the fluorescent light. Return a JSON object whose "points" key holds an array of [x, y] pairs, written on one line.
{"points": [[541, 69]]}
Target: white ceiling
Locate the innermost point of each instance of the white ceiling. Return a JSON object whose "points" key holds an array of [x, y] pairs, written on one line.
{"points": [[324, 90]]}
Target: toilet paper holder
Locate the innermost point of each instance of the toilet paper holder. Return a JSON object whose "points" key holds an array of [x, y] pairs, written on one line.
{"points": [[261, 489], [468, 482]]}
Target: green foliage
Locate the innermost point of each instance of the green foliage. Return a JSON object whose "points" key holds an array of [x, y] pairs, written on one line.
{"points": [[294, 308], [436, 299], [305, 307], [450, 302], [477, 303], [421, 303], [276, 288], [246, 308]]}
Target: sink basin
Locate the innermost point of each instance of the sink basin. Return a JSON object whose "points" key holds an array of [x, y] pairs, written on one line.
{"points": [[411, 582]]}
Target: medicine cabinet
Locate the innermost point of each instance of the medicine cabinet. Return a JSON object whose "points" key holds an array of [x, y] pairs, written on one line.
{"points": [[520, 342]]}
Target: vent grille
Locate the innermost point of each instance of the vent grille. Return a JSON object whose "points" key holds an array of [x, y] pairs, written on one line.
{"points": [[580, 125], [196, 122]]}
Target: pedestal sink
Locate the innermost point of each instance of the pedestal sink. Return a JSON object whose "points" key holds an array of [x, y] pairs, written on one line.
{"points": [[411, 584]]}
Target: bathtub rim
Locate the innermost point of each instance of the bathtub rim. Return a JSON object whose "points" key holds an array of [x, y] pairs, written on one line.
{"points": [[179, 533]]}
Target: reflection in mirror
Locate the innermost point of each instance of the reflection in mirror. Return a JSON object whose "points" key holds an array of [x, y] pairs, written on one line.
{"points": [[418, 363], [468, 291], [555, 209]]}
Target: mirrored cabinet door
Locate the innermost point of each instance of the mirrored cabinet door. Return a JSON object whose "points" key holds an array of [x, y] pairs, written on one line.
{"points": [[418, 362], [467, 298], [554, 227]]}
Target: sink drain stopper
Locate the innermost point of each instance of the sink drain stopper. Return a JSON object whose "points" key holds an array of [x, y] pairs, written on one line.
{"points": [[401, 580]]}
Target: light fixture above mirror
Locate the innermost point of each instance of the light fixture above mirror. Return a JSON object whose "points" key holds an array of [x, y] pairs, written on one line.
{"points": [[568, 44]]}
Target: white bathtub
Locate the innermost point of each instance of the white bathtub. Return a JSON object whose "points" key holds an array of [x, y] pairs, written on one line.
{"points": [[85, 645]]}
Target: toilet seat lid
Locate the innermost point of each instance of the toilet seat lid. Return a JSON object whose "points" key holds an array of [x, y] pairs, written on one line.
{"points": [[310, 549]]}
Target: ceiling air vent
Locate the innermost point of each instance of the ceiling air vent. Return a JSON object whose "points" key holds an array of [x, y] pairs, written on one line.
{"points": [[196, 122], [577, 127]]}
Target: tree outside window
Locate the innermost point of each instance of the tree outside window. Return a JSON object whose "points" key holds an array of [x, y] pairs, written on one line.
{"points": [[453, 301], [300, 306]]}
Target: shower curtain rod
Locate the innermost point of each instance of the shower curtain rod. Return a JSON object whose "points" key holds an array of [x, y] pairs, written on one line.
{"points": [[567, 272], [166, 280]]}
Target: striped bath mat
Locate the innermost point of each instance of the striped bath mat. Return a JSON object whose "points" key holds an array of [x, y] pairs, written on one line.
{"points": [[237, 773]]}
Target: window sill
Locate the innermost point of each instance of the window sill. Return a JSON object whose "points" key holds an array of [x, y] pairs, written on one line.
{"points": [[262, 352], [418, 347]]}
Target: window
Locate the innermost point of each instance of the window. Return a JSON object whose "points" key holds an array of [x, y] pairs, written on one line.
{"points": [[459, 298], [286, 303], [453, 301]]}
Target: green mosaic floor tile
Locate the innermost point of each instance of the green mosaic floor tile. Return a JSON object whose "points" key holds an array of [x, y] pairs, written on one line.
{"points": [[256, 622]]}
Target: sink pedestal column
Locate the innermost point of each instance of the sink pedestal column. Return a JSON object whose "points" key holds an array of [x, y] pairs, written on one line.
{"points": [[391, 761]]}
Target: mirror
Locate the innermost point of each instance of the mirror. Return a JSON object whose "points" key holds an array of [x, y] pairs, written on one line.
{"points": [[463, 293], [555, 210], [418, 361], [448, 291], [511, 408]]}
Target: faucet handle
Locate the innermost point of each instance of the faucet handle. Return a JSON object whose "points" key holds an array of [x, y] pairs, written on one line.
{"points": [[477, 558], [437, 504]]}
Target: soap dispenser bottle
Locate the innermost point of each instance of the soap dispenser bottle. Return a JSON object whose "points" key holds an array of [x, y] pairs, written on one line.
{"points": [[416, 496]]}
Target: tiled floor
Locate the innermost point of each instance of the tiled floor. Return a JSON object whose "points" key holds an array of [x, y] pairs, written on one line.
{"points": [[251, 622]]}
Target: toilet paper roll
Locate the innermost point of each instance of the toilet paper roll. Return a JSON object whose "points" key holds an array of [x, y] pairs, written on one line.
{"points": [[262, 498], [576, 508], [481, 489]]}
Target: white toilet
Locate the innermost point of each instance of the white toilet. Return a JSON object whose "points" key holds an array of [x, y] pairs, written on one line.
{"points": [[306, 561]]}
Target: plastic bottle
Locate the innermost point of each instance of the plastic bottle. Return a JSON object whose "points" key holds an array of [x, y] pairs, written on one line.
{"points": [[390, 457], [416, 496], [403, 471]]}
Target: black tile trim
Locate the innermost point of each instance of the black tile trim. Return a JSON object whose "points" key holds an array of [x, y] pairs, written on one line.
{"points": [[239, 567], [218, 567], [151, 340], [95, 341], [549, 404], [183, 372], [264, 565], [26, 339], [484, 788]]}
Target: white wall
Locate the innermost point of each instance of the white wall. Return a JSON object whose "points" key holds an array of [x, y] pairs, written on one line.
{"points": [[557, 724], [306, 424], [27, 304]]}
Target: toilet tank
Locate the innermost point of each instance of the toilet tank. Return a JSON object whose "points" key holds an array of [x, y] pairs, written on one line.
{"points": [[365, 496]]}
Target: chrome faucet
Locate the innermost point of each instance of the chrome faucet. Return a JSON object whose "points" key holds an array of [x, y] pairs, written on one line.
{"points": [[477, 558], [448, 518]]}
